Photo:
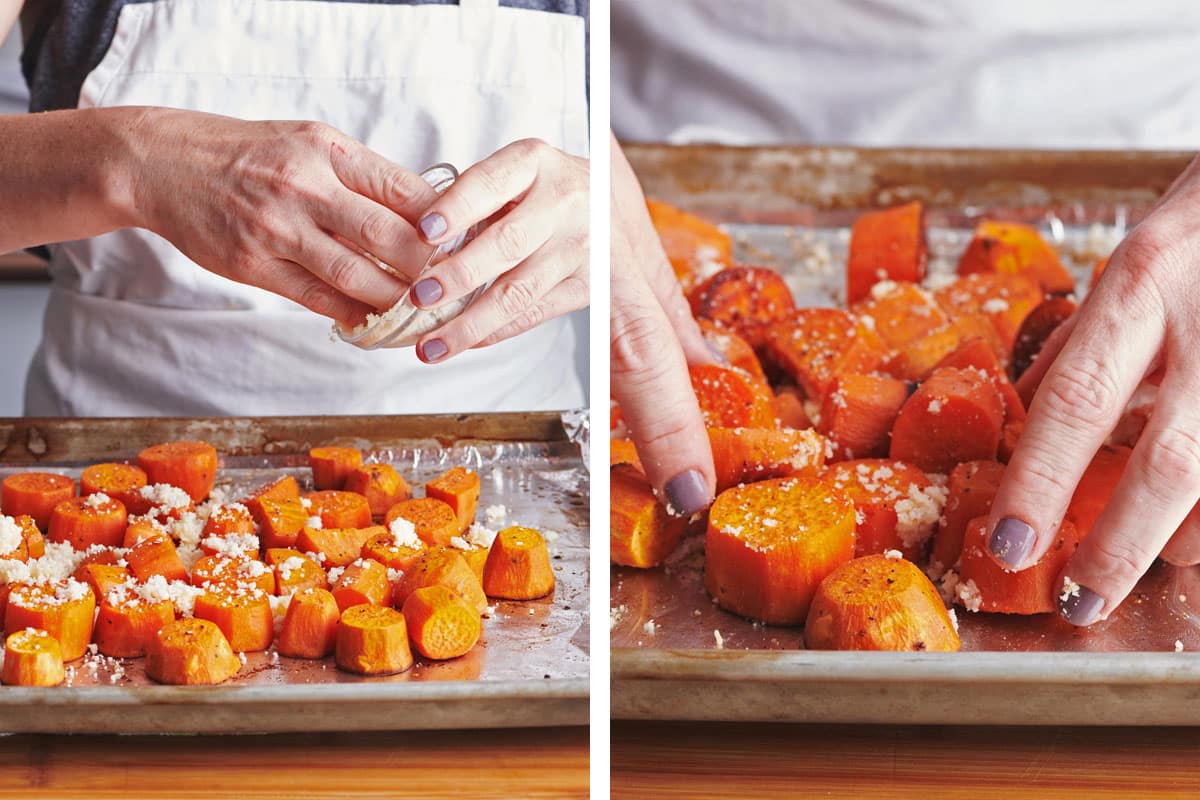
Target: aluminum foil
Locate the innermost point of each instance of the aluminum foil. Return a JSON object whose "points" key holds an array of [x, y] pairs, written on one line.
{"points": [[577, 424], [542, 642]]}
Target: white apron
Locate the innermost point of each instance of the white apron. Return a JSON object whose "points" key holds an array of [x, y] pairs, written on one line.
{"points": [[135, 328], [952, 73]]}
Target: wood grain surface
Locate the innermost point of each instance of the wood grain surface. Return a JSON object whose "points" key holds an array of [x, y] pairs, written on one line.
{"points": [[677, 760], [529, 763]]}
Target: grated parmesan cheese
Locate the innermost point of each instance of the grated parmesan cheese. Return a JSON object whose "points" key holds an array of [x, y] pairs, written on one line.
{"points": [[1069, 589], [480, 535], [649, 627], [97, 500], [883, 289], [290, 564], [315, 523], [948, 586], [615, 614], [165, 496], [232, 544], [969, 596], [893, 555], [918, 513], [11, 535], [719, 639], [495, 515], [404, 534]]}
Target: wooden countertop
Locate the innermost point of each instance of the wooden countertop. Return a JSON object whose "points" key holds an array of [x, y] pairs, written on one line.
{"points": [[697, 760], [530, 763]]}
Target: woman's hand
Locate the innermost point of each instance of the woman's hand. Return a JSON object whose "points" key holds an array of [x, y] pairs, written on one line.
{"points": [[1142, 318], [286, 206], [653, 338], [535, 249]]}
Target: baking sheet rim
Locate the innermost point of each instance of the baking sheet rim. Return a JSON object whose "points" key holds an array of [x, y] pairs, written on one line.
{"points": [[807, 666], [364, 705], [349, 692]]}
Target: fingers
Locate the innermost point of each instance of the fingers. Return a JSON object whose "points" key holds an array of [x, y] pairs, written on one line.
{"points": [[648, 367], [508, 242], [375, 229], [347, 271], [570, 295], [296, 283], [1079, 401], [630, 204], [515, 297], [365, 172], [1029, 381], [669, 293], [482, 191], [1157, 492], [650, 381], [1183, 549]]}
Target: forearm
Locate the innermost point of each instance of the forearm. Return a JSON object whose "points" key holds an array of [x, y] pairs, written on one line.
{"points": [[9, 11], [66, 174]]}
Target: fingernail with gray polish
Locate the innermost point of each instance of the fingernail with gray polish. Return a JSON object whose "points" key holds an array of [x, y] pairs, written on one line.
{"points": [[427, 292], [721, 358], [434, 349], [1081, 607], [433, 226], [687, 493], [1011, 541]]}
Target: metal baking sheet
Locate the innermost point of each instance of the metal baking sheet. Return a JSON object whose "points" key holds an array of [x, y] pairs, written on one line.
{"points": [[676, 655], [529, 668]]}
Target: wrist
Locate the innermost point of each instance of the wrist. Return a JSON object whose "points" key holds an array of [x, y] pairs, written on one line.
{"points": [[118, 181]]}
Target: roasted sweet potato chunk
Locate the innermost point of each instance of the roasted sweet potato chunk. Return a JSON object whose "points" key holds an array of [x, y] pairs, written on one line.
{"points": [[815, 345], [1008, 247], [745, 299], [879, 603], [886, 245]]}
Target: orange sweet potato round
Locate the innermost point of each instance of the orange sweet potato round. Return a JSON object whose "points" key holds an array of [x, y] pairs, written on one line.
{"points": [[879, 603], [813, 346], [897, 505], [730, 399], [770, 544], [745, 299], [984, 585]]}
